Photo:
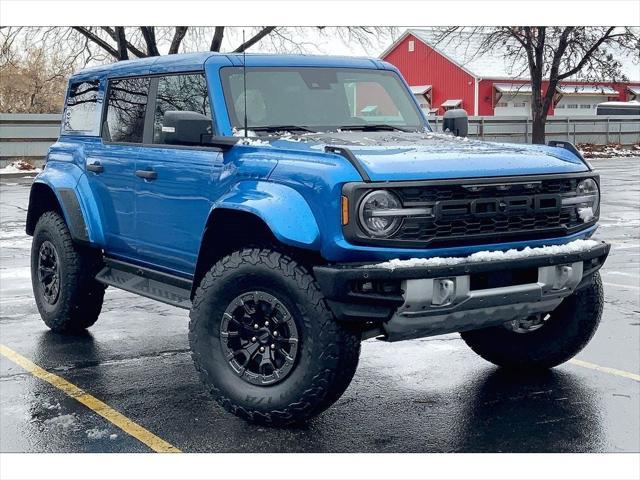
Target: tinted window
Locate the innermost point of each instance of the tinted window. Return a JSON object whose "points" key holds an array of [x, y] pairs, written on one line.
{"points": [[179, 93], [81, 114], [125, 110]]}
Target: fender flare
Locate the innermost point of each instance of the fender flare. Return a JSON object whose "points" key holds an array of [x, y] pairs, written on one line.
{"points": [[74, 196], [283, 209]]}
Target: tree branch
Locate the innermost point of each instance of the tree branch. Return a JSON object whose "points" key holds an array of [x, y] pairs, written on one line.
{"points": [[133, 49], [255, 39], [149, 35], [587, 55], [178, 36], [97, 40], [216, 42], [121, 40]]}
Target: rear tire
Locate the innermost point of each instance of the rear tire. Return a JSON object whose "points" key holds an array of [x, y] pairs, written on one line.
{"points": [[566, 332], [238, 294], [67, 295]]}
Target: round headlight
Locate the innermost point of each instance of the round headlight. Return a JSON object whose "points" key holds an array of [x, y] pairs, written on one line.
{"points": [[589, 188], [376, 213]]}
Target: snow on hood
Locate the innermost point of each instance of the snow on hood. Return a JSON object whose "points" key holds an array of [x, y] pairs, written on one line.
{"points": [[394, 156]]}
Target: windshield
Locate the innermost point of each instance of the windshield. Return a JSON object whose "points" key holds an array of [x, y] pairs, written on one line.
{"points": [[318, 99]]}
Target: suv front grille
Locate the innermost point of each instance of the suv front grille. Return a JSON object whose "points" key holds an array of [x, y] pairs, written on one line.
{"points": [[480, 212]]}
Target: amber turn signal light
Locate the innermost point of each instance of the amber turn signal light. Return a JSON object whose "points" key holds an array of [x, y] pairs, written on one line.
{"points": [[345, 210]]}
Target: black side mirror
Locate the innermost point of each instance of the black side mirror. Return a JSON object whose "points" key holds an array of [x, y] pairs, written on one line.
{"points": [[192, 128], [456, 121]]}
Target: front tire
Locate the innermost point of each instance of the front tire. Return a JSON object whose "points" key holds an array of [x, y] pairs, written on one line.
{"points": [[264, 341], [67, 295], [562, 336]]}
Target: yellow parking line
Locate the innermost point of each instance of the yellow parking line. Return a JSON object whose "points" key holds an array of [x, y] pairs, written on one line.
{"points": [[129, 426], [611, 371]]}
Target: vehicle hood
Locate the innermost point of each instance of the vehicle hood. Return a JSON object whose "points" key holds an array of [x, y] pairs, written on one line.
{"points": [[391, 156]]}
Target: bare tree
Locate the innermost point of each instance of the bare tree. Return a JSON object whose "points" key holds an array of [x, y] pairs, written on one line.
{"points": [[553, 54], [122, 43], [75, 47], [33, 83]]}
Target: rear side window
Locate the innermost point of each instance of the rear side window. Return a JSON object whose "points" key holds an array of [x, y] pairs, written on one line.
{"points": [[126, 107], [179, 93], [81, 113]]}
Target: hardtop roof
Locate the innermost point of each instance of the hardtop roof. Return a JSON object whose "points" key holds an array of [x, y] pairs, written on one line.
{"points": [[196, 61]]}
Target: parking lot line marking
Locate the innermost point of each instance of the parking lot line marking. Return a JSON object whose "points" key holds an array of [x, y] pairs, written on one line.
{"points": [[620, 285], [119, 420], [609, 370]]}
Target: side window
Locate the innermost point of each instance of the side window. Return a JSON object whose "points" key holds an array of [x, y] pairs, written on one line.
{"points": [[81, 113], [181, 93], [126, 107]]}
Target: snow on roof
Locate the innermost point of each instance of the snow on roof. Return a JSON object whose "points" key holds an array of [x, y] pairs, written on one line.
{"points": [[586, 90], [420, 89], [524, 88], [635, 90], [452, 103], [463, 46]]}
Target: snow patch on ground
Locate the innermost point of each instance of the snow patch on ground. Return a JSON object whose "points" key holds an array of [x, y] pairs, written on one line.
{"points": [[62, 421], [589, 150], [488, 256], [51, 406], [97, 434]]}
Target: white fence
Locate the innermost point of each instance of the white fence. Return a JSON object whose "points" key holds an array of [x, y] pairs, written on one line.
{"points": [[28, 136], [600, 130]]}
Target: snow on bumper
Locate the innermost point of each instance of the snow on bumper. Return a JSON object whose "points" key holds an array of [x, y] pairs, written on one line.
{"points": [[422, 297], [489, 256]]}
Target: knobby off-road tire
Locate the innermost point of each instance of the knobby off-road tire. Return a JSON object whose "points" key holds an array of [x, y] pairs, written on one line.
{"points": [[566, 332], [327, 353], [76, 302]]}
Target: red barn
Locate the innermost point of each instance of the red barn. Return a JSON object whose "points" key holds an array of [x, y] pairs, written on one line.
{"points": [[451, 74]]}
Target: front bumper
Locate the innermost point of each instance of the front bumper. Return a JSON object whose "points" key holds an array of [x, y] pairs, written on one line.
{"points": [[487, 293]]}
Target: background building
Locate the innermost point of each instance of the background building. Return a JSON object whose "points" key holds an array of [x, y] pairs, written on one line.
{"points": [[450, 74]]}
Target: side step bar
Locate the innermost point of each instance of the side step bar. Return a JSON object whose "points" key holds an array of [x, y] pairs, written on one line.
{"points": [[149, 283]]}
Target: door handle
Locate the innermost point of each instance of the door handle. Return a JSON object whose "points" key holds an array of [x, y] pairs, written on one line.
{"points": [[146, 174], [95, 167]]}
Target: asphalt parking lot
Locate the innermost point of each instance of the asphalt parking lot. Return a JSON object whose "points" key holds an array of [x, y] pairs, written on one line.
{"points": [[428, 395]]}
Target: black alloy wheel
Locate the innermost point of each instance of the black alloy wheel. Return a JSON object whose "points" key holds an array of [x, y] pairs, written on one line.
{"points": [[259, 338], [49, 272]]}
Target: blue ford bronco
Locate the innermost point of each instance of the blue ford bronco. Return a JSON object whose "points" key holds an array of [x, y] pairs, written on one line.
{"points": [[297, 205]]}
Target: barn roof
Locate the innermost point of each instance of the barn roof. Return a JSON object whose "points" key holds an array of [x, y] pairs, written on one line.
{"points": [[462, 48]]}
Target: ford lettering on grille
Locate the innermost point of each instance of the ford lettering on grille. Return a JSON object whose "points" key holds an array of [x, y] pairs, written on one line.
{"points": [[488, 207]]}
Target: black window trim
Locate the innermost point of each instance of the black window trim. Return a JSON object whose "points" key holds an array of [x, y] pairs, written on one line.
{"points": [[147, 134]]}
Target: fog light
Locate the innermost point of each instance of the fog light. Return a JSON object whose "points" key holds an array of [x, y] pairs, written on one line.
{"points": [[563, 274], [444, 291]]}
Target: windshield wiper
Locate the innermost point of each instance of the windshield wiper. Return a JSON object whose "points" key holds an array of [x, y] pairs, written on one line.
{"points": [[373, 127], [282, 128]]}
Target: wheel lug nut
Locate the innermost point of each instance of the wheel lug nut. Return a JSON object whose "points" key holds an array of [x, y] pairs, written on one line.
{"points": [[266, 324], [253, 339], [261, 349], [275, 334], [273, 345], [256, 326]]}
